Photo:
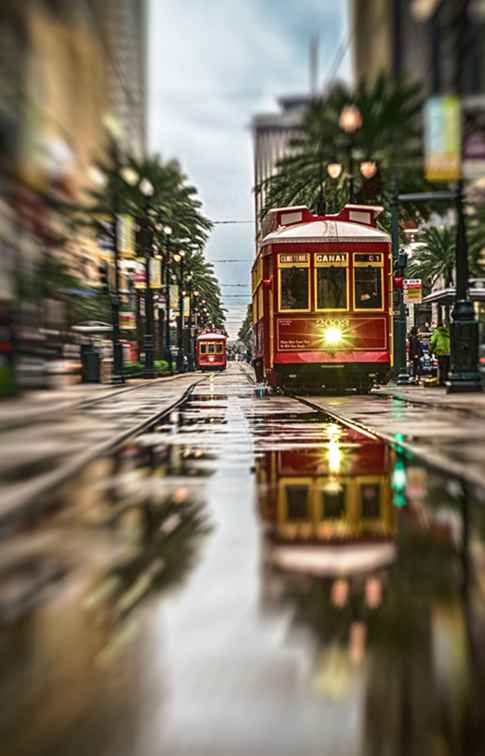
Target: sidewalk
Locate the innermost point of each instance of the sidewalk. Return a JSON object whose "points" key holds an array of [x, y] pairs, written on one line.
{"points": [[32, 406], [436, 397]]}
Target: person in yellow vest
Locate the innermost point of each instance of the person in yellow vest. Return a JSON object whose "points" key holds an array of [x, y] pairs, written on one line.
{"points": [[439, 345]]}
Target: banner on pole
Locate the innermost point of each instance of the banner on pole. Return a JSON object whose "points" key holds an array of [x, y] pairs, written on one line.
{"points": [[412, 290], [186, 307], [126, 236], [139, 278], [174, 298], [442, 138], [127, 321]]}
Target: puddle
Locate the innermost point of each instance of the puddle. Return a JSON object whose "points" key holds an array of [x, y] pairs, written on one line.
{"points": [[250, 576]]}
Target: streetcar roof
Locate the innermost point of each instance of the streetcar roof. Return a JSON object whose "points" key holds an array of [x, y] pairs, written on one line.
{"points": [[211, 336], [325, 231]]}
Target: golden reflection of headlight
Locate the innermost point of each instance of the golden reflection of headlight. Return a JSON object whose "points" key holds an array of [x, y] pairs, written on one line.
{"points": [[332, 335], [334, 457]]}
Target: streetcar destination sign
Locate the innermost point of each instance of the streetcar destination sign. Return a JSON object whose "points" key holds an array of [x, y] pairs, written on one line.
{"points": [[293, 258], [332, 259]]}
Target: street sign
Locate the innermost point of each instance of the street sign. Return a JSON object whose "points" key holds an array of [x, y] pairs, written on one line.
{"points": [[412, 290], [442, 138]]}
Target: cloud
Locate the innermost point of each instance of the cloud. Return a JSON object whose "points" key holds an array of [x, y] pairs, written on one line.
{"points": [[212, 65]]}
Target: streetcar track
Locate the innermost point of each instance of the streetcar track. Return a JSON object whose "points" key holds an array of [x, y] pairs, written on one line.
{"points": [[428, 456], [19, 503], [66, 405]]}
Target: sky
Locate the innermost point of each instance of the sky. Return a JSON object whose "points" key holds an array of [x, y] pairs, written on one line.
{"points": [[212, 65]]}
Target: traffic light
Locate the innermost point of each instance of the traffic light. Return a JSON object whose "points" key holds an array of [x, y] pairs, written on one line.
{"points": [[103, 277]]}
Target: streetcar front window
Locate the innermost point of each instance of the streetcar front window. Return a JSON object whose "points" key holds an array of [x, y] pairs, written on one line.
{"points": [[297, 502], [212, 348], [219, 348], [202, 348], [294, 290], [370, 497], [334, 504], [331, 288], [368, 288]]}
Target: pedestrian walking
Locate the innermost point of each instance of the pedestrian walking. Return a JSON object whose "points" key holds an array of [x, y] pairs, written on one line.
{"points": [[415, 354], [440, 346]]}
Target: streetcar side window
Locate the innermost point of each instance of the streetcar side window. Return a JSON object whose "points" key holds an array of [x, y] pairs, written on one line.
{"points": [[294, 289], [202, 348]]}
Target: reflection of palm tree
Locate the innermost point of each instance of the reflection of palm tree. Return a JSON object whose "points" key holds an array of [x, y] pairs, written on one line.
{"points": [[167, 550]]}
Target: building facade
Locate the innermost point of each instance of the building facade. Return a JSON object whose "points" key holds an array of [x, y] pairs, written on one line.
{"points": [[272, 133]]}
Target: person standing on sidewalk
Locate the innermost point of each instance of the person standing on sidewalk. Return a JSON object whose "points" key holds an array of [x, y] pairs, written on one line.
{"points": [[440, 346], [415, 354]]}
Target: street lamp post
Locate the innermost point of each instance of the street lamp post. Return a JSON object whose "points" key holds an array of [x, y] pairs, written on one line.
{"points": [[146, 188], [193, 294], [399, 307], [464, 375], [180, 258], [168, 349]]}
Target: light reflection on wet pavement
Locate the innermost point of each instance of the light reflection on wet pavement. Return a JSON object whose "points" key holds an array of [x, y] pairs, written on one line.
{"points": [[250, 576]]}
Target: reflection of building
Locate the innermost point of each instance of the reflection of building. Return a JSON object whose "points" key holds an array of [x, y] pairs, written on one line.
{"points": [[272, 133]]}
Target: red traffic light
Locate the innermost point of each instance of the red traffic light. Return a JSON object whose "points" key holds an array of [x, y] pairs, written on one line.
{"points": [[398, 282]]}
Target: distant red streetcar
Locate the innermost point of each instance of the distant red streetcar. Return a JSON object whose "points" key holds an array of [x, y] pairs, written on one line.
{"points": [[322, 299], [211, 351]]}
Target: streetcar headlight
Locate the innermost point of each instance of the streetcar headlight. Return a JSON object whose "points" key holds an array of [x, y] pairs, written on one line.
{"points": [[332, 335], [211, 359]]}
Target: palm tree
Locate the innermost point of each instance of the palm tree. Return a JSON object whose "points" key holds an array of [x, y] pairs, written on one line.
{"points": [[434, 258], [390, 135]]}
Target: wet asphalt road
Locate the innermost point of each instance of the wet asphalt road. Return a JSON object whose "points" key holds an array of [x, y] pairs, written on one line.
{"points": [[248, 577]]}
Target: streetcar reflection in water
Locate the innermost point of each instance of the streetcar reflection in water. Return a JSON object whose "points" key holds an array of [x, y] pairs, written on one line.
{"points": [[322, 300], [382, 591]]}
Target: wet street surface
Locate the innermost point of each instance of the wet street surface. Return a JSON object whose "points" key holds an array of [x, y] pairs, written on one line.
{"points": [[451, 439], [247, 576], [40, 454]]}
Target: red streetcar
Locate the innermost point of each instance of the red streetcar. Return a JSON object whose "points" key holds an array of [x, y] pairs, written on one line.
{"points": [[211, 352], [322, 299]]}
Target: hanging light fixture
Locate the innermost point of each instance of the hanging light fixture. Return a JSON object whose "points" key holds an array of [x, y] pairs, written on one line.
{"points": [[334, 170], [350, 119], [368, 168]]}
